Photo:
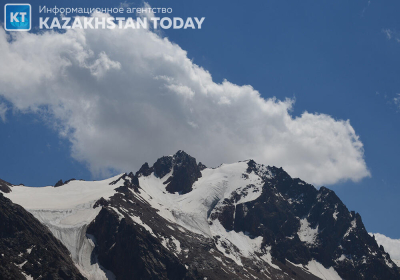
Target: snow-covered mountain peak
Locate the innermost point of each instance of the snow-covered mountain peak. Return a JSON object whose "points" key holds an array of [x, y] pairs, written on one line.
{"points": [[242, 220]]}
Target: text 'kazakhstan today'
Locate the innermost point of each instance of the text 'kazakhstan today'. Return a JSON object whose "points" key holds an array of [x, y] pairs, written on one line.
{"points": [[120, 23]]}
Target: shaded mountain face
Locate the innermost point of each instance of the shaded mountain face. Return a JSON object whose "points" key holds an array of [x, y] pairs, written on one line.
{"points": [[28, 249], [182, 171], [178, 219], [5, 186]]}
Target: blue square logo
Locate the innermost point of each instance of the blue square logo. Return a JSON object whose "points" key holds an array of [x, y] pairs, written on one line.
{"points": [[17, 17]]}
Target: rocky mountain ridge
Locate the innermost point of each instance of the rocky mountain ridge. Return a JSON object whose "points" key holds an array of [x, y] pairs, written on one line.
{"points": [[178, 219]]}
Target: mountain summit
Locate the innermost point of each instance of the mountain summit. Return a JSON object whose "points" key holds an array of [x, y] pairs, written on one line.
{"points": [[181, 168], [178, 219]]}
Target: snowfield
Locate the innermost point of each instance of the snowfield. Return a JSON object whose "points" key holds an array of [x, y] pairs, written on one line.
{"points": [[67, 196], [66, 211]]}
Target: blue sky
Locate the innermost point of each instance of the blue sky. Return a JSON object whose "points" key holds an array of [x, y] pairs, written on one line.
{"points": [[332, 57]]}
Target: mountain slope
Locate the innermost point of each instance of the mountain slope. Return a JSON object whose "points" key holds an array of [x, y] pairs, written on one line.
{"points": [[5, 186], [27, 248], [67, 210], [178, 219]]}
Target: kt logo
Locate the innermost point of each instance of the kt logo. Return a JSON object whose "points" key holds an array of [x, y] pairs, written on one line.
{"points": [[17, 17]]}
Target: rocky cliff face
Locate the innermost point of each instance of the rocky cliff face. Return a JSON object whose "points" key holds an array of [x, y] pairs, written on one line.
{"points": [[181, 168], [178, 219], [302, 224], [28, 250], [5, 186]]}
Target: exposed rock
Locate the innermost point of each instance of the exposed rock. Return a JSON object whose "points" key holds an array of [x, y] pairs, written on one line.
{"points": [[145, 170], [70, 180], [185, 173], [333, 236], [59, 183], [5, 186], [201, 166], [132, 253]]}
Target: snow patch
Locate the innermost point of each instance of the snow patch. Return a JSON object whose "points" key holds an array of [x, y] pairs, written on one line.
{"points": [[267, 257], [246, 245], [306, 233], [320, 271], [138, 221], [233, 244], [172, 244], [21, 264], [120, 216], [177, 245], [341, 258], [336, 212], [27, 276], [352, 227], [29, 250]]}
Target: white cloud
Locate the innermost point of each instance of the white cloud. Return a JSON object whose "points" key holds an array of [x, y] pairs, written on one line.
{"points": [[3, 111], [147, 14], [396, 100], [365, 8], [391, 34], [126, 4], [392, 246], [123, 97], [388, 33]]}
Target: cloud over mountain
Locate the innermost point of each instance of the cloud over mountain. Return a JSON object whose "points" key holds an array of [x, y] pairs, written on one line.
{"points": [[392, 246], [123, 97]]}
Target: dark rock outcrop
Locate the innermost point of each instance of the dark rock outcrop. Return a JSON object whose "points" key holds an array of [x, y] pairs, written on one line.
{"points": [[185, 173], [145, 170], [201, 166], [59, 183], [70, 180], [132, 253], [5, 186]]}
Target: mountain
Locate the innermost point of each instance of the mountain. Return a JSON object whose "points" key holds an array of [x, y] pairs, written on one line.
{"points": [[178, 219], [5, 186], [28, 250]]}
